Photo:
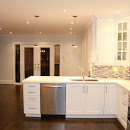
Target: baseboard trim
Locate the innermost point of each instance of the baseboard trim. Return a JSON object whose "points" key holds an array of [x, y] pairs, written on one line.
{"points": [[33, 115], [90, 116], [6, 81]]}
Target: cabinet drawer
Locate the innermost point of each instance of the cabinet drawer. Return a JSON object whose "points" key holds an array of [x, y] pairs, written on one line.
{"points": [[31, 92], [123, 116], [32, 98], [32, 108], [31, 86], [123, 94], [124, 104]]}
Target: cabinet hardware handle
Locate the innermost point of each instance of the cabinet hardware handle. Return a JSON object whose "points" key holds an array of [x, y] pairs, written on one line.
{"points": [[124, 92], [31, 92], [123, 103], [31, 86], [31, 108], [83, 89], [115, 57], [32, 98], [122, 118], [87, 89], [106, 89]]}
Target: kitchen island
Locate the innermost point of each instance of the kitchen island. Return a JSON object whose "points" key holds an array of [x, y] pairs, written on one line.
{"points": [[104, 98]]}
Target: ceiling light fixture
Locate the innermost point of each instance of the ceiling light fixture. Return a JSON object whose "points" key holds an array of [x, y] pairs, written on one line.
{"points": [[74, 44], [70, 33], [70, 28], [118, 12], [65, 10], [0, 29], [71, 22], [40, 32], [36, 43], [27, 22], [10, 32]]}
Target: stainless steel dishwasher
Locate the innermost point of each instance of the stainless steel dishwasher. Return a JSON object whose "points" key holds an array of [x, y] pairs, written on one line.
{"points": [[53, 99]]}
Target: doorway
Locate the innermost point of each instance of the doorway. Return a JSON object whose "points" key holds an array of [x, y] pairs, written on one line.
{"points": [[45, 61], [37, 61]]}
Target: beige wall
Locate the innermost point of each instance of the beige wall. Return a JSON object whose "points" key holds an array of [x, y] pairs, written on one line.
{"points": [[71, 57]]}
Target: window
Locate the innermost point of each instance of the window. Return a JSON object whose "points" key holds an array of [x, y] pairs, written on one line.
{"points": [[17, 63]]}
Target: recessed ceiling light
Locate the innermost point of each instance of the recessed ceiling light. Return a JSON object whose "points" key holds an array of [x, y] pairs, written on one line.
{"points": [[27, 22], [40, 32], [71, 22], [10, 32], [70, 28], [70, 33], [118, 12], [65, 10], [0, 29]]}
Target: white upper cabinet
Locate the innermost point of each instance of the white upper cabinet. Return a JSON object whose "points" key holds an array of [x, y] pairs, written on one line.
{"points": [[105, 41], [112, 41], [122, 42], [75, 99], [110, 99], [94, 103]]}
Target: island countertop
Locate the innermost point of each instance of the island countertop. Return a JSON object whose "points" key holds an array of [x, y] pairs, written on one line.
{"points": [[67, 79]]}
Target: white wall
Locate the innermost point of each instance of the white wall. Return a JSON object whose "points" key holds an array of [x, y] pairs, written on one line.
{"points": [[87, 47], [71, 56]]}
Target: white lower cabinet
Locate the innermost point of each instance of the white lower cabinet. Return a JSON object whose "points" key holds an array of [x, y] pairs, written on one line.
{"points": [[90, 99], [94, 99], [31, 99], [122, 106], [110, 99], [75, 99]]}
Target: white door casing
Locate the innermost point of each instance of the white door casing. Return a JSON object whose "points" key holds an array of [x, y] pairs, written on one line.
{"points": [[37, 59]]}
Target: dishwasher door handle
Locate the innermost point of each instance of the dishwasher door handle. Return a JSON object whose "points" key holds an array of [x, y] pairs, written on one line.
{"points": [[54, 86]]}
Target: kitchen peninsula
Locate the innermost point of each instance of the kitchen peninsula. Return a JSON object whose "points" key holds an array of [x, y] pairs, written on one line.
{"points": [[104, 98]]}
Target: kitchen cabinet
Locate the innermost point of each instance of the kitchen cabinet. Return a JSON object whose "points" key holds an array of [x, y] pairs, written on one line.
{"points": [[94, 100], [75, 99], [112, 41], [110, 99], [122, 42], [105, 41], [84, 99], [31, 99], [91, 99], [122, 106]]}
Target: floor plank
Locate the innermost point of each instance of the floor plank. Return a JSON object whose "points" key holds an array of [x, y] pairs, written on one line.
{"points": [[12, 117]]}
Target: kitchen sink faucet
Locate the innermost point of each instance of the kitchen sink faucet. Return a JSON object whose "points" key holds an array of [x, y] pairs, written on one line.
{"points": [[82, 72]]}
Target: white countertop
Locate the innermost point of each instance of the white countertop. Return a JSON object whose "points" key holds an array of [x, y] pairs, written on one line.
{"points": [[67, 79]]}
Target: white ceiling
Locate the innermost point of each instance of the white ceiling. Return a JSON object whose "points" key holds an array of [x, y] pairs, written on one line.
{"points": [[15, 13]]}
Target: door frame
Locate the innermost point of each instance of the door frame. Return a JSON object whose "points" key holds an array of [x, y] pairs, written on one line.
{"points": [[37, 59], [51, 47], [22, 58]]}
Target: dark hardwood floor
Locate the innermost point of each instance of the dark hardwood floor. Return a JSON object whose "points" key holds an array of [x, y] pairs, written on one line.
{"points": [[12, 117]]}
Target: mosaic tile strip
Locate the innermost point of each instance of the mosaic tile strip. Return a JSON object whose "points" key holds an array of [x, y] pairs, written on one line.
{"points": [[110, 72]]}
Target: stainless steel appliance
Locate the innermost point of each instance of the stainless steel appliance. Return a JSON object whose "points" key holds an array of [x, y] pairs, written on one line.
{"points": [[53, 99]]}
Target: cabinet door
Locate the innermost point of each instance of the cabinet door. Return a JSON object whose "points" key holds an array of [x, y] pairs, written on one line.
{"points": [[75, 99], [105, 41], [110, 99], [117, 102], [94, 102]]}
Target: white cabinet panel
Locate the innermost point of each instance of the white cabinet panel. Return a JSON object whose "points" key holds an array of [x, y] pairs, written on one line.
{"points": [[105, 41], [94, 102], [122, 106], [75, 98], [110, 99], [31, 95]]}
